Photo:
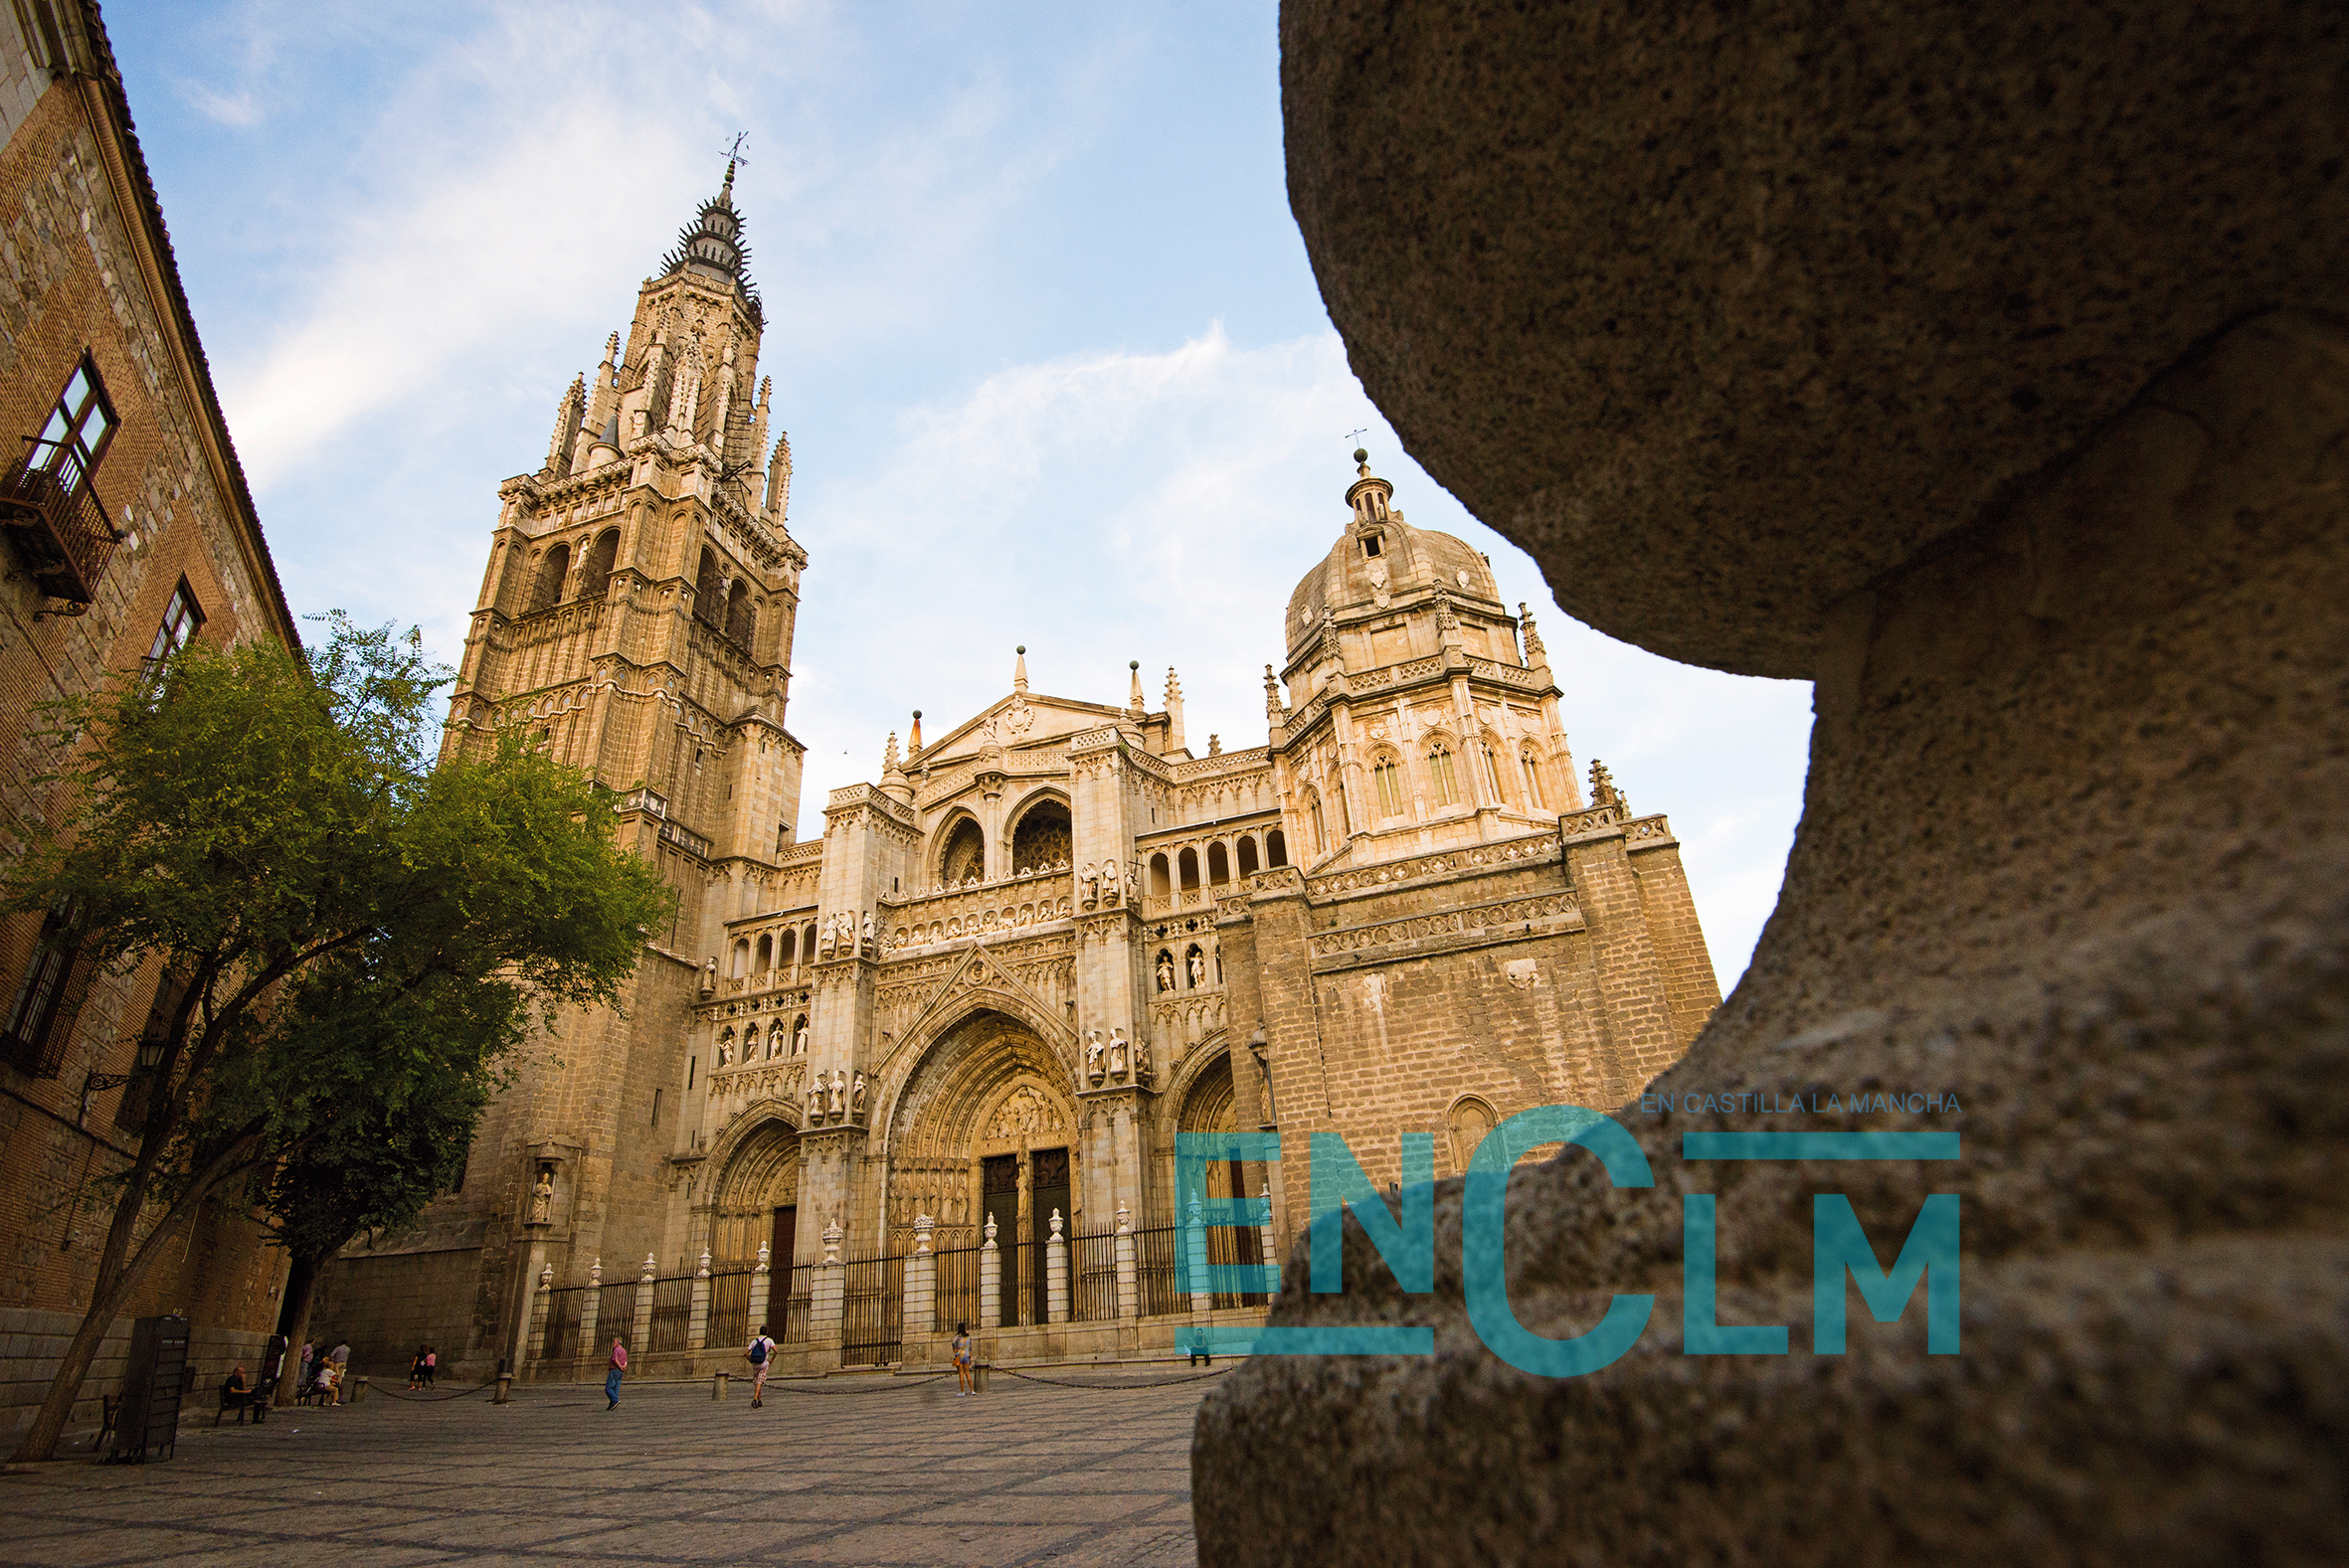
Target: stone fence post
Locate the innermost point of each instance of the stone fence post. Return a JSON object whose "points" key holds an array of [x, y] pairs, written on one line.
{"points": [[641, 1334], [590, 1308], [1129, 1275], [830, 1291], [544, 1299], [991, 1281], [761, 1284], [1194, 1261], [921, 1284], [697, 1331], [1056, 1274]]}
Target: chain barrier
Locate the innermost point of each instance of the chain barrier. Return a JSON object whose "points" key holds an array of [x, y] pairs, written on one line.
{"points": [[1163, 1382], [428, 1399]]}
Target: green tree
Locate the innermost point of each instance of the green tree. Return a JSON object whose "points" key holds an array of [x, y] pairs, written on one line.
{"points": [[272, 830]]}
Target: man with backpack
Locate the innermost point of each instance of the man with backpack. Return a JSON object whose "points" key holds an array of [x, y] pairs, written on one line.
{"points": [[761, 1356]]}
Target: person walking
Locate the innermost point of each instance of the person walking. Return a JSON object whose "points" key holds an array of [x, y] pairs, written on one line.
{"points": [[432, 1365], [962, 1359], [761, 1356], [416, 1370], [619, 1364]]}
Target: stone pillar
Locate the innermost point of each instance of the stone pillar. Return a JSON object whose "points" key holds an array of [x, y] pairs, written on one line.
{"points": [[540, 1300], [697, 1331], [761, 1281], [1055, 1274], [590, 1311], [830, 1294], [1264, 1237], [1195, 1253], [990, 1282], [1129, 1275], [640, 1332], [921, 1283]]}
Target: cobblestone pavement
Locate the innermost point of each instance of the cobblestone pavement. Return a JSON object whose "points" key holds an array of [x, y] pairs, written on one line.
{"points": [[897, 1475]]}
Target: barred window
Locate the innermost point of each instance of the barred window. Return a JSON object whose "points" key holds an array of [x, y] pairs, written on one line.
{"points": [[36, 1036]]}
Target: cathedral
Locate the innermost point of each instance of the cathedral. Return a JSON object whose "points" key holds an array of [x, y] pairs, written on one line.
{"points": [[930, 1068]]}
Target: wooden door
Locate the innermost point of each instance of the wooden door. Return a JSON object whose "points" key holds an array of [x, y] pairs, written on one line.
{"points": [[1048, 1188], [1000, 1180]]}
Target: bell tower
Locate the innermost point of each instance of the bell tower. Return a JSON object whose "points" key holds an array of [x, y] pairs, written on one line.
{"points": [[636, 621]]}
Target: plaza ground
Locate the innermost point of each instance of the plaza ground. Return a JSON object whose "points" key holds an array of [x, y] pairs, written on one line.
{"points": [[866, 1470]]}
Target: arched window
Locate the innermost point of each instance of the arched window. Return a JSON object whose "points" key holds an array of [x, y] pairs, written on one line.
{"points": [[1218, 863], [549, 588], [1471, 1119], [788, 953], [1040, 840], [1389, 781], [708, 586], [597, 573], [965, 856], [738, 612], [742, 957], [1439, 771], [1491, 767], [1313, 816], [1248, 862], [1531, 768], [766, 955], [1187, 864], [1276, 847], [1160, 883]]}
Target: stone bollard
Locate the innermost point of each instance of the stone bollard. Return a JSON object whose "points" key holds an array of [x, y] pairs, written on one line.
{"points": [[506, 1389], [358, 1390], [697, 1331], [718, 1387], [1055, 1274], [1128, 1272], [990, 1282], [921, 1283]]}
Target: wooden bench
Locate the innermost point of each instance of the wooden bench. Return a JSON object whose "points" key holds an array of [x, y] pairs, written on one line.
{"points": [[244, 1401]]}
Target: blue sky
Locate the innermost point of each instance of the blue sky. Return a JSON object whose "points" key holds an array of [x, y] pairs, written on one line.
{"points": [[1042, 329]]}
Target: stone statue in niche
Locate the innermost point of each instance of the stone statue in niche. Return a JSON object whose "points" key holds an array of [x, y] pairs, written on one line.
{"points": [[1198, 970], [839, 1094], [1165, 973], [814, 1101], [709, 975], [1118, 1053], [542, 1197], [868, 930], [1141, 1060], [1129, 883], [1093, 1055], [1109, 881], [856, 1098], [800, 1039], [1087, 880]]}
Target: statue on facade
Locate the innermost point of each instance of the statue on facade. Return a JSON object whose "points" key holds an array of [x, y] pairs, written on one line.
{"points": [[839, 1094], [542, 1197], [1109, 882], [1129, 883], [1093, 1055], [1086, 880], [800, 1039], [1165, 973], [868, 930], [1141, 1060], [709, 975], [726, 1050], [1118, 1053], [814, 1101], [775, 1038], [1198, 970], [856, 1100]]}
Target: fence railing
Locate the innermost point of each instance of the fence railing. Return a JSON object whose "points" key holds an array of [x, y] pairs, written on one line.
{"points": [[1093, 1276], [872, 1310], [730, 1309], [798, 1299], [957, 1290], [562, 1323], [672, 1316]]}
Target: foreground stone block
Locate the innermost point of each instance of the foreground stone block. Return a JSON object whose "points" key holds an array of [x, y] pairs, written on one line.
{"points": [[2072, 843]]}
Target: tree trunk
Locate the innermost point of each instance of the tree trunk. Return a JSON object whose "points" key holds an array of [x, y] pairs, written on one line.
{"points": [[293, 1319]]}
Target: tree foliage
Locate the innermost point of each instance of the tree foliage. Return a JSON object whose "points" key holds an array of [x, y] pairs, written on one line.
{"points": [[360, 935]]}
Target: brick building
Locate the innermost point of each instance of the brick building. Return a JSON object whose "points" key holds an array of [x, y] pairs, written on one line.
{"points": [[129, 531], [1023, 960]]}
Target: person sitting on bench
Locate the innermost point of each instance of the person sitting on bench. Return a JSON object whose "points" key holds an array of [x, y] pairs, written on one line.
{"points": [[233, 1395]]}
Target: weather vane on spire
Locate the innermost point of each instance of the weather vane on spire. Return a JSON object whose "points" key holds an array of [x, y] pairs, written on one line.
{"points": [[1365, 430]]}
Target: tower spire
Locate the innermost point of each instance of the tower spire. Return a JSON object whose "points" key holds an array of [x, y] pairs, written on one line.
{"points": [[1019, 668]]}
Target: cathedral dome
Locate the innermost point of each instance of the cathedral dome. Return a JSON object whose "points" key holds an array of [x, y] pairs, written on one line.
{"points": [[1381, 559]]}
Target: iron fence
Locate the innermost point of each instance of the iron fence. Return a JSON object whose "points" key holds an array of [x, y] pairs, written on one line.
{"points": [[872, 1310], [730, 1309], [562, 1325], [616, 1313], [957, 1290], [672, 1316], [798, 1299], [1093, 1276], [1158, 1254]]}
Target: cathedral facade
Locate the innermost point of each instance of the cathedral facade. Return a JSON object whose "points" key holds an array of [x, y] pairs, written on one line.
{"points": [[931, 1066]]}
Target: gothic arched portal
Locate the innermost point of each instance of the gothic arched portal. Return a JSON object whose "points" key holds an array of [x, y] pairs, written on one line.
{"points": [[761, 1181]]}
